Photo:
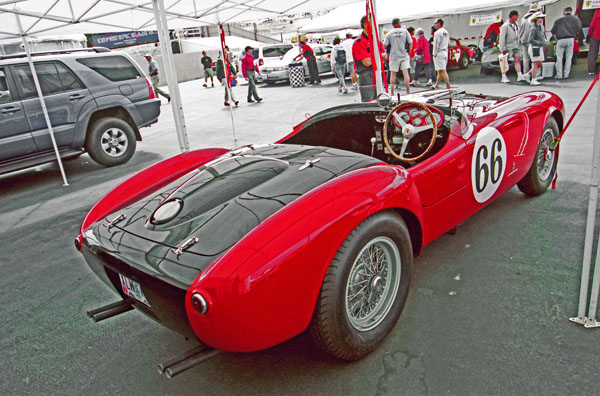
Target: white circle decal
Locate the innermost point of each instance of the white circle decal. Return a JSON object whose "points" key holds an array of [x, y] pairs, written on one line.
{"points": [[488, 163]]}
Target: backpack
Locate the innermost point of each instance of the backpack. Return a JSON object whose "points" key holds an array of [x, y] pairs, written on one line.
{"points": [[340, 57]]}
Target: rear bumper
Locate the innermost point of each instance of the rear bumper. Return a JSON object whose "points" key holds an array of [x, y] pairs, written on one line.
{"points": [[167, 302], [148, 111]]}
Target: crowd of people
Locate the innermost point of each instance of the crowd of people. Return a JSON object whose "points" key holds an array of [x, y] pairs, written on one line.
{"points": [[408, 52]]}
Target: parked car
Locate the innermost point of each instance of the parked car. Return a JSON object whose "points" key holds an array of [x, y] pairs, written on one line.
{"points": [[267, 54], [278, 70], [458, 54], [97, 101], [490, 63], [243, 249]]}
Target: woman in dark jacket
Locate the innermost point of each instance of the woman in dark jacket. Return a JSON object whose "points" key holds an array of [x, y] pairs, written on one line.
{"points": [[537, 41]]}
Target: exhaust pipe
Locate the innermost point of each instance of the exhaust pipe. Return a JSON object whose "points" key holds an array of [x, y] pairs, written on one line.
{"points": [[186, 361], [110, 310]]}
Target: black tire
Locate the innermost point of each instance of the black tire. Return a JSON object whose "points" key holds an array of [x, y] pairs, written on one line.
{"points": [[540, 175], [477, 52], [334, 327], [110, 141], [463, 63]]}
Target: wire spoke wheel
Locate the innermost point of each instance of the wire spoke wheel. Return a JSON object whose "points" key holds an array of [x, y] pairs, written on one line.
{"points": [[373, 283], [545, 155]]}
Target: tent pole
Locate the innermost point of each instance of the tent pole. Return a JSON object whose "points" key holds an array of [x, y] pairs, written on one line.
{"points": [[226, 61], [589, 234], [171, 74], [42, 101]]}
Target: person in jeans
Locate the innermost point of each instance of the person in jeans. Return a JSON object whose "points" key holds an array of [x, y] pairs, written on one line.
{"points": [[249, 71], [537, 41], [593, 39], [153, 73], [524, 29], [208, 72], [565, 29], [338, 64], [509, 44], [361, 56], [423, 58], [347, 44]]}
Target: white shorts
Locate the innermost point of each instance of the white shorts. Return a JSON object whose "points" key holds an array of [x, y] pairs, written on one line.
{"points": [[440, 60], [399, 64], [539, 58]]}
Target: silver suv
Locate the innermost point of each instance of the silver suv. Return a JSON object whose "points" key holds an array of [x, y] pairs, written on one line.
{"points": [[97, 100]]}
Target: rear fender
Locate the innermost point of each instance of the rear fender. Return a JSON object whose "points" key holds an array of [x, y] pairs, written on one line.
{"points": [[263, 290]]}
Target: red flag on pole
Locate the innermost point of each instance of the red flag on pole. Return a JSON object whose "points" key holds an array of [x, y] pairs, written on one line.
{"points": [[376, 58], [225, 57]]}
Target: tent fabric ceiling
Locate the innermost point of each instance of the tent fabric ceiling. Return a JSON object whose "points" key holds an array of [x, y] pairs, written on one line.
{"points": [[40, 17], [348, 16]]}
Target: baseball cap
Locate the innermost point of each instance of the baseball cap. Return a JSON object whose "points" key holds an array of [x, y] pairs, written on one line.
{"points": [[147, 55], [247, 48], [568, 9]]}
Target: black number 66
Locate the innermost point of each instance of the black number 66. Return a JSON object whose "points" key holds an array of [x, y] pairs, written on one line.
{"points": [[487, 167]]}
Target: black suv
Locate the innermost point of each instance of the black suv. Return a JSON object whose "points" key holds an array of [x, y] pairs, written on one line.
{"points": [[96, 99]]}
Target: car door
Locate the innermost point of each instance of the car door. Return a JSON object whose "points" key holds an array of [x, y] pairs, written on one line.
{"points": [[15, 137], [64, 95]]}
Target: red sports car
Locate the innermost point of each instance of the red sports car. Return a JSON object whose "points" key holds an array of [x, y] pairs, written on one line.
{"points": [[244, 249], [458, 54]]}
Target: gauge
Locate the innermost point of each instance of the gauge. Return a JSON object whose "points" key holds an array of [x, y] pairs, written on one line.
{"points": [[414, 112], [417, 122], [404, 116], [423, 113]]}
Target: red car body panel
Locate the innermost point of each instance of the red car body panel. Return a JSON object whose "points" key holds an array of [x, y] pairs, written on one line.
{"points": [[263, 290]]}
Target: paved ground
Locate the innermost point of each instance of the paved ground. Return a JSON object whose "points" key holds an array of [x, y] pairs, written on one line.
{"points": [[487, 314]]}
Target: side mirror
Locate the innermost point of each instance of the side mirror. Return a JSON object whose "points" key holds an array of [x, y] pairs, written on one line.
{"points": [[384, 99]]}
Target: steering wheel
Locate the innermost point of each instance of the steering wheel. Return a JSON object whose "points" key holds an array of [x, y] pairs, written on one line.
{"points": [[412, 118]]}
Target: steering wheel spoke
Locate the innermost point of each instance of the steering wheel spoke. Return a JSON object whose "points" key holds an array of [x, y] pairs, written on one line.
{"points": [[409, 129]]}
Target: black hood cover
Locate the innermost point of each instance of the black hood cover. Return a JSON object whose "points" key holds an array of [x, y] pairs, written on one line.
{"points": [[222, 201]]}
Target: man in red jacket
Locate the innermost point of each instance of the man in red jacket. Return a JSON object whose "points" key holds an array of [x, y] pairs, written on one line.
{"points": [[594, 41], [248, 70]]}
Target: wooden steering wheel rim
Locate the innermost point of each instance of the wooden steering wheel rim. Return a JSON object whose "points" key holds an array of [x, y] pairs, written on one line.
{"points": [[389, 118]]}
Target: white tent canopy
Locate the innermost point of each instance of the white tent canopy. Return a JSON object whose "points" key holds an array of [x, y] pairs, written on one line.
{"points": [[348, 16]]}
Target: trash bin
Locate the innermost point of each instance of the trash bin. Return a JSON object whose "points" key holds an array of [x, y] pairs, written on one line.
{"points": [[548, 69], [296, 71]]}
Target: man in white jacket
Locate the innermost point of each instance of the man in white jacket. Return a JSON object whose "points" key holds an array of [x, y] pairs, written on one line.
{"points": [[441, 39], [509, 44]]}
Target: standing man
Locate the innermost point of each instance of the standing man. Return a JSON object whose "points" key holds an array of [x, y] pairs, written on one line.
{"points": [[413, 63], [593, 39], [311, 62], [153, 72], [361, 55], [401, 45], [347, 44], [565, 29], [524, 29], [207, 63], [509, 44], [491, 35], [441, 39], [248, 71]]}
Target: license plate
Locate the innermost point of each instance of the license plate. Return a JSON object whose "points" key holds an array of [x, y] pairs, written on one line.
{"points": [[133, 289]]}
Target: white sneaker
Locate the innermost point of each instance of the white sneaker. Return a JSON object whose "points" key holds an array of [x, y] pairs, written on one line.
{"points": [[504, 79], [354, 87], [521, 77], [534, 81], [430, 83]]}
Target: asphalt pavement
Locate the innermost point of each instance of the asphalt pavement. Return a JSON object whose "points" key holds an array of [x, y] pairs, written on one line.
{"points": [[487, 314]]}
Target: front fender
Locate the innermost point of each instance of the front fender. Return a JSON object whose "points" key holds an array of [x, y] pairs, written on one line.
{"points": [[263, 290]]}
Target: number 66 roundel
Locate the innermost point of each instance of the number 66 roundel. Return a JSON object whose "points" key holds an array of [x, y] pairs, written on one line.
{"points": [[488, 163]]}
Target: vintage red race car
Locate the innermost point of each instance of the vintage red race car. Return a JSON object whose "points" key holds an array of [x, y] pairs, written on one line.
{"points": [[244, 249], [458, 54]]}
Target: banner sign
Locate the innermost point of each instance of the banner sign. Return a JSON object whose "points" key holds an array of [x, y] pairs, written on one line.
{"points": [[486, 19], [590, 4], [123, 39]]}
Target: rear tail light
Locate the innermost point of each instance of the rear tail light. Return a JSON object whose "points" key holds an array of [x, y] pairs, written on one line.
{"points": [[260, 62], [151, 94]]}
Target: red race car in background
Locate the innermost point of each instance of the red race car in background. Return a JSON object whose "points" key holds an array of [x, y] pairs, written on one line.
{"points": [[458, 54], [243, 249]]}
